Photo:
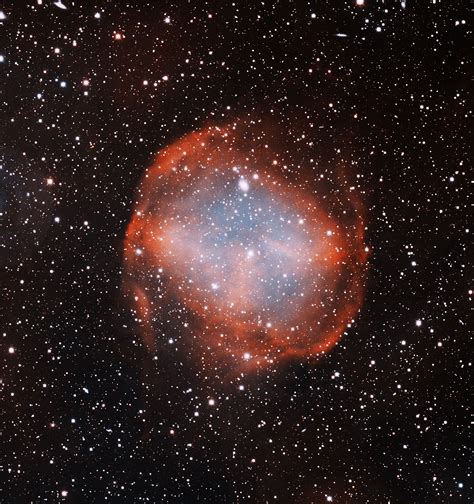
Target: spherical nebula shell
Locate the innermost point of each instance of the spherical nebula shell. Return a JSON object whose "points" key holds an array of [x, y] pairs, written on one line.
{"points": [[238, 236]]}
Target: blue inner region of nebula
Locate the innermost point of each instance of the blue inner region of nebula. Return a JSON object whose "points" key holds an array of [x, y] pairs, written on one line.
{"points": [[245, 247]]}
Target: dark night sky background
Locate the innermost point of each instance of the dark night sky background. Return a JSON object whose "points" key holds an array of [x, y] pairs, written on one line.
{"points": [[86, 415]]}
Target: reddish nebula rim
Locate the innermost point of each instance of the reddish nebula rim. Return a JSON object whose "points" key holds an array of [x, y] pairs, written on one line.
{"points": [[263, 259]]}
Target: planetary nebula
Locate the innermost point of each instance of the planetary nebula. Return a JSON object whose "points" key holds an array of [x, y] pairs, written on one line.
{"points": [[245, 248]]}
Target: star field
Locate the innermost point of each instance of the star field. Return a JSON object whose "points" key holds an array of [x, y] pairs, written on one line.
{"points": [[235, 252]]}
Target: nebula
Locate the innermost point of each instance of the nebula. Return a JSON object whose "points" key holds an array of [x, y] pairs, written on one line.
{"points": [[262, 256]]}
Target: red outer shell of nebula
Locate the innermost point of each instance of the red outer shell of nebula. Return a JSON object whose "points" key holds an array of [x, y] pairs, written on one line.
{"points": [[282, 279]]}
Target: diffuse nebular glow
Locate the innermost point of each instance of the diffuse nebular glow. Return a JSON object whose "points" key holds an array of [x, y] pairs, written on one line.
{"points": [[268, 265]]}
